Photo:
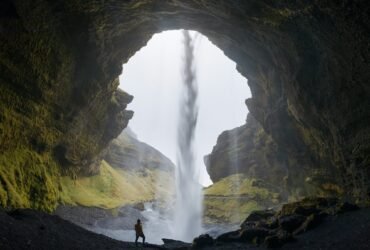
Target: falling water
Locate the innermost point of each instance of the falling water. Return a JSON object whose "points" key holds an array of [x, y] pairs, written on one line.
{"points": [[188, 214]]}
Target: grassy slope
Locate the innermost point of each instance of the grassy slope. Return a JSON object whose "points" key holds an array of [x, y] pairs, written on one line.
{"points": [[115, 187], [232, 198]]}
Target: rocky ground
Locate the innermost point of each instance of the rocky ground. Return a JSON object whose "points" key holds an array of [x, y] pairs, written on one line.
{"points": [[28, 229], [336, 226]]}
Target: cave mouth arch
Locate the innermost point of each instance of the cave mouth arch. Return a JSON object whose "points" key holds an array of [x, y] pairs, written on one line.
{"points": [[156, 68], [305, 63]]}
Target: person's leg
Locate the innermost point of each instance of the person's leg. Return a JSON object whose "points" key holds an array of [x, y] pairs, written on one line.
{"points": [[143, 239], [137, 237]]}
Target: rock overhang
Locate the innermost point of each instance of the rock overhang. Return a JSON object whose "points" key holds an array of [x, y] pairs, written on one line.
{"points": [[306, 63]]}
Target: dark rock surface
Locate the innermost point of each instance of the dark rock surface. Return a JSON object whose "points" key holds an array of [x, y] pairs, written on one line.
{"points": [[346, 231], [28, 229], [202, 241], [256, 216], [175, 244], [250, 150], [260, 227]]}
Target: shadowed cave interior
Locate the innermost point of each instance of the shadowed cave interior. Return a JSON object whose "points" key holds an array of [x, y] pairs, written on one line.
{"points": [[307, 135]]}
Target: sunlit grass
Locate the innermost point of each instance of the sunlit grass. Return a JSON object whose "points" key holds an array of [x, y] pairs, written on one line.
{"points": [[232, 198], [114, 187]]}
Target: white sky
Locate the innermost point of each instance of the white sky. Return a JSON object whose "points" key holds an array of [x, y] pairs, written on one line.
{"points": [[153, 77]]}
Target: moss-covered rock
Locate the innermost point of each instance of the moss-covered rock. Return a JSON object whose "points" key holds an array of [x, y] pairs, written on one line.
{"points": [[232, 198], [28, 179]]}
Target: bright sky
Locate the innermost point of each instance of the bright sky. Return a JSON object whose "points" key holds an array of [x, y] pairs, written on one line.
{"points": [[153, 77]]}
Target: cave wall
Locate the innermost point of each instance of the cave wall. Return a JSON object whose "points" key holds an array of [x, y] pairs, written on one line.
{"points": [[306, 61], [250, 151]]}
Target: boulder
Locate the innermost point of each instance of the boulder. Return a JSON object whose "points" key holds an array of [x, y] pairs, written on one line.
{"points": [[233, 236], [175, 244], [311, 221], [347, 207], [278, 239], [203, 240], [254, 234], [291, 222], [309, 205], [257, 216]]}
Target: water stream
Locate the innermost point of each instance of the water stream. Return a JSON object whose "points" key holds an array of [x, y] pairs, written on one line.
{"points": [[188, 210]]}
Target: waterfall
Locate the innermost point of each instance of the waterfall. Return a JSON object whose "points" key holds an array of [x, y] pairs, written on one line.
{"points": [[188, 210]]}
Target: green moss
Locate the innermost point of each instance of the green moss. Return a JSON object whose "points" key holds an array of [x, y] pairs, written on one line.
{"points": [[113, 187], [28, 179], [230, 210], [237, 184], [232, 198]]}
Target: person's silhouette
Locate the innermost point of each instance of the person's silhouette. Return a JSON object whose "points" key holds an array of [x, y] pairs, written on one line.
{"points": [[139, 232]]}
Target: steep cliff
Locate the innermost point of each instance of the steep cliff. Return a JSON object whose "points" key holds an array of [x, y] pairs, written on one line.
{"points": [[306, 61], [133, 172], [251, 151], [127, 152]]}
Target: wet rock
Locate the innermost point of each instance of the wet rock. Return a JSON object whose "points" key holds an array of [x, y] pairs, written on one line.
{"points": [[278, 239], [311, 222], [254, 234], [347, 207], [291, 222], [202, 241], [175, 244], [233, 236], [256, 231], [257, 216], [308, 206]]}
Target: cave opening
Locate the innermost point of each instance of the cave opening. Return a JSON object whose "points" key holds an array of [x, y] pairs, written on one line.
{"points": [[153, 76], [307, 133]]}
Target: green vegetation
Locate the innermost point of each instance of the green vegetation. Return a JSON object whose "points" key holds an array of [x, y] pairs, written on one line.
{"points": [[238, 184], [28, 179], [114, 187], [232, 198]]}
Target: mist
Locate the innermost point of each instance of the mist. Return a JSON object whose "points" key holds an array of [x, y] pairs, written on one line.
{"points": [[153, 76]]}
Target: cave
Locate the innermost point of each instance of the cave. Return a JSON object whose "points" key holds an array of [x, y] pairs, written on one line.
{"points": [[306, 63]]}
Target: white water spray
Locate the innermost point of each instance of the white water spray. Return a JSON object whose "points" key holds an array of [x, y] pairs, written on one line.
{"points": [[188, 213]]}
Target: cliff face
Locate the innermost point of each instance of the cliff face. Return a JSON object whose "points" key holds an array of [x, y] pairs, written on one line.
{"points": [[307, 63], [127, 152], [251, 151], [132, 172]]}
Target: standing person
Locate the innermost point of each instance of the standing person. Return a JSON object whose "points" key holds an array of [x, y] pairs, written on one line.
{"points": [[139, 232]]}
